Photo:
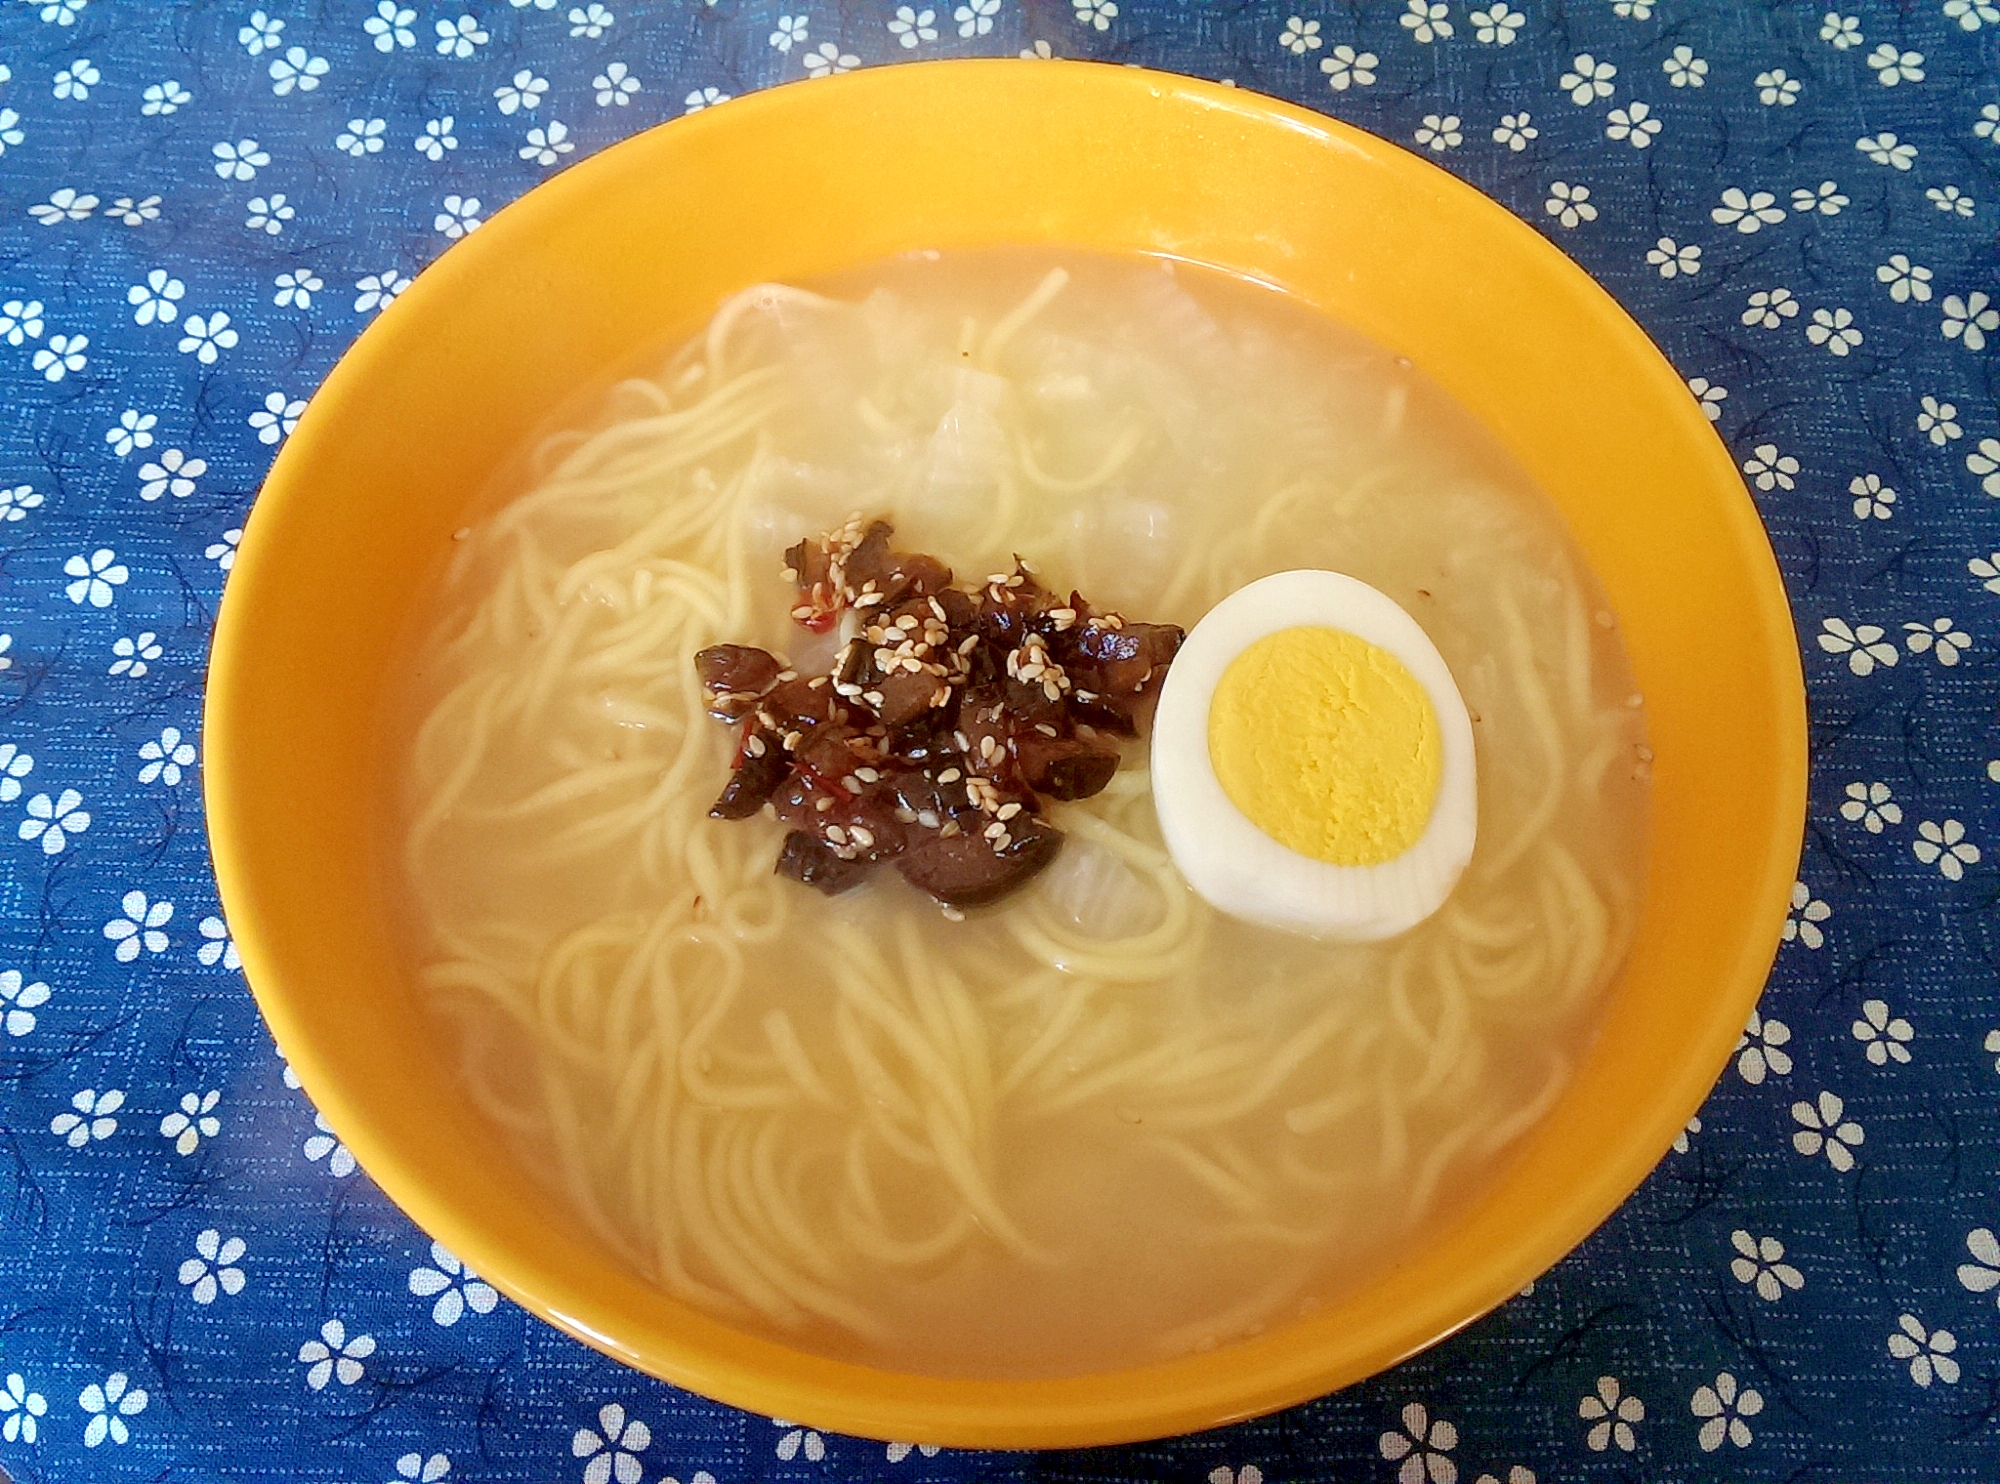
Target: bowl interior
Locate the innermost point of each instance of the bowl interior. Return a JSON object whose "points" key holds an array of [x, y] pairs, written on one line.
{"points": [[637, 245]]}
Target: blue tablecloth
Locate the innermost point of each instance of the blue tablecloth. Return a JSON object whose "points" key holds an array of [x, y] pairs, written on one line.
{"points": [[201, 205]]}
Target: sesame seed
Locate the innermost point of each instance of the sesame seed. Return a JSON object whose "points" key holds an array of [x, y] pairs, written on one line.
{"points": [[908, 622], [906, 816], [1045, 729], [753, 747], [1001, 841], [925, 817], [873, 698], [823, 805], [959, 738], [792, 740], [836, 834], [937, 608], [863, 836], [950, 830], [995, 831], [952, 914], [868, 775], [1008, 811], [1052, 690], [851, 784], [785, 675], [950, 775]]}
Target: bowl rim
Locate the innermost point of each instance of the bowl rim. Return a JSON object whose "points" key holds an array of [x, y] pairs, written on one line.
{"points": [[1150, 1401]]}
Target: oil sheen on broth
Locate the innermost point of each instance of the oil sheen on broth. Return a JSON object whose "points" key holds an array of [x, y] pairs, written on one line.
{"points": [[1099, 1123]]}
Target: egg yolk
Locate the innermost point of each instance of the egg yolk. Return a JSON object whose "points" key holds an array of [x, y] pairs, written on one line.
{"points": [[1328, 744]]}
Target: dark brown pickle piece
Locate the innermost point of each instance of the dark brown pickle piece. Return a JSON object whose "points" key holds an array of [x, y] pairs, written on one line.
{"points": [[1063, 767], [807, 858], [753, 782], [870, 558], [801, 705], [725, 667], [907, 695], [735, 675], [965, 871]]}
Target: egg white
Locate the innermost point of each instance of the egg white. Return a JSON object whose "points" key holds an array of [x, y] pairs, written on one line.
{"points": [[1232, 863]]}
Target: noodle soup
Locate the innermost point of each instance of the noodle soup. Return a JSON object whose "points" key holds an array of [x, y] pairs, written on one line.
{"points": [[1098, 1123]]}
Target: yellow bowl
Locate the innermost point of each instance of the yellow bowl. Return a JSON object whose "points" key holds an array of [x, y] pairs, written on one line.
{"points": [[636, 246]]}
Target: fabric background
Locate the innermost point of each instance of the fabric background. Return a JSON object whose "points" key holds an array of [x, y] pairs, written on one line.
{"points": [[201, 205]]}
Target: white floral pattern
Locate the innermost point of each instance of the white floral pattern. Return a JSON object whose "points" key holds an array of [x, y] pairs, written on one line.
{"points": [[1872, 805], [108, 1404], [798, 1442], [1770, 469], [1884, 1037], [55, 820], [1747, 211], [1613, 1414], [325, 1145], [1865, 645], [1825, 1127], [212, 1271], [1760, 1049], [1724, 1405], [1347, 68], [193, 1121], [1760, 1265], [612, 1450], [1927, 1352], [1906, 281], [1946, 847], [1969, 320], [1423, 1445], [20, 1001], [90, 1118], [24, 1410], [1588, 80], [335, 1355], [456, 1288], [140, 926], [1570, 204]]}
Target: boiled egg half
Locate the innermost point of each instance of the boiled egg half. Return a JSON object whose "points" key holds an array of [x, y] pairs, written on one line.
{"points": [[1312, 761]]}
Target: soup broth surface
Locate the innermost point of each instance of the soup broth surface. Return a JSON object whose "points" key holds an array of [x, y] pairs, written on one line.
{"points": [[1098, 1123]]}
